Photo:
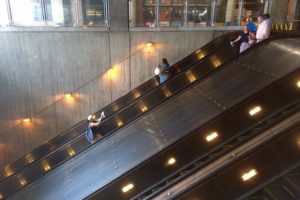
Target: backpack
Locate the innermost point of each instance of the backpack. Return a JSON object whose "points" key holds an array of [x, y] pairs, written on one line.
{"points": [[89, 134]]}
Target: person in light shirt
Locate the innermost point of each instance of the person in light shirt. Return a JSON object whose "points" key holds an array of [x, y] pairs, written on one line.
{"points": [[263, 30]]}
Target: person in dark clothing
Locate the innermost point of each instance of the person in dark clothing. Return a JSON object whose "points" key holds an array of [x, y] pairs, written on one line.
{"points": [[92, 127], [164, 73], [243, 38]]}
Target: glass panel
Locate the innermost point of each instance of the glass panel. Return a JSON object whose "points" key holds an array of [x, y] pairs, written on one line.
{"points": [[171, 12], [142, 13], [252, 8], [92, 12], [198, 12], [3, 13], [27, 12], [60, 12], [228, 12]]}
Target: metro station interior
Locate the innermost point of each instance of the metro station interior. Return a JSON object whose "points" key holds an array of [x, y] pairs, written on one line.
{"points": [[223, 125]]}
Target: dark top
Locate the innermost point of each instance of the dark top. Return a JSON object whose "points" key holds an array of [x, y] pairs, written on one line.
{"points": [[164, 69], [244, 37], [93, 129]]}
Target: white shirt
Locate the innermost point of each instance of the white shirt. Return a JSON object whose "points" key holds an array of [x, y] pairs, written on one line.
{"points": [[263, 31]]}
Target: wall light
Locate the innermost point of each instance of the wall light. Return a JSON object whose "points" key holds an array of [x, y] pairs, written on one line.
{"points": [[298, 84], [127, 188], [212, 136], [247, 176], [149, 44], [171, 161], [1, 196], [27, 120], [255, 110], [68, 95]]}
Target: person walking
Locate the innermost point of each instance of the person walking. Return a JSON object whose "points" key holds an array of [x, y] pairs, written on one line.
{"points": [[92, 127]]}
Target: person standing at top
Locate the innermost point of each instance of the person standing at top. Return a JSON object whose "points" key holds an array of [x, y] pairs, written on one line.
{"points": [[244, 38], [269, 21], [92, 127], [252, 30], [164, 73], [263, 30]]}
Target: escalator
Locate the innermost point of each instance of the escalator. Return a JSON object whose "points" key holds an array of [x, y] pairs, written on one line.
{"points": [[279, 103], [158, 128], [58, 150], [287, 186], [273, 156], [111, 110]]}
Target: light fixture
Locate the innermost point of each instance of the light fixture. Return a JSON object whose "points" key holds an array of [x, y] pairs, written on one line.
{"points": [[46, 166], [1, 196], [212, 136], [255, 110], [68, 95], [29, 158], [8, 171], [298, 84], [127, 188], [149, 44], [167, 92], [143, 107], [247, 176], [119, 122], [27, 120], [157, 71], [22, 181], [171, 161], [71, 151], [191, 76], [136, 94]]}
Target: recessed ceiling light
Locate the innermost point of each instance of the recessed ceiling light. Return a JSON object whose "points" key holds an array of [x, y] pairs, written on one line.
{"points": [[247, 176], [127, 188], [255, 110], [212, 136], [171, 161]]}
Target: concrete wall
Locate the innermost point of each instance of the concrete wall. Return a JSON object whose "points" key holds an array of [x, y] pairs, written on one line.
{"points": [[38, 68]]}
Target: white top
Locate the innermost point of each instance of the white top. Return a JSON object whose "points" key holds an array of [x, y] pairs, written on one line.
{"points": [[263, 31]]}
